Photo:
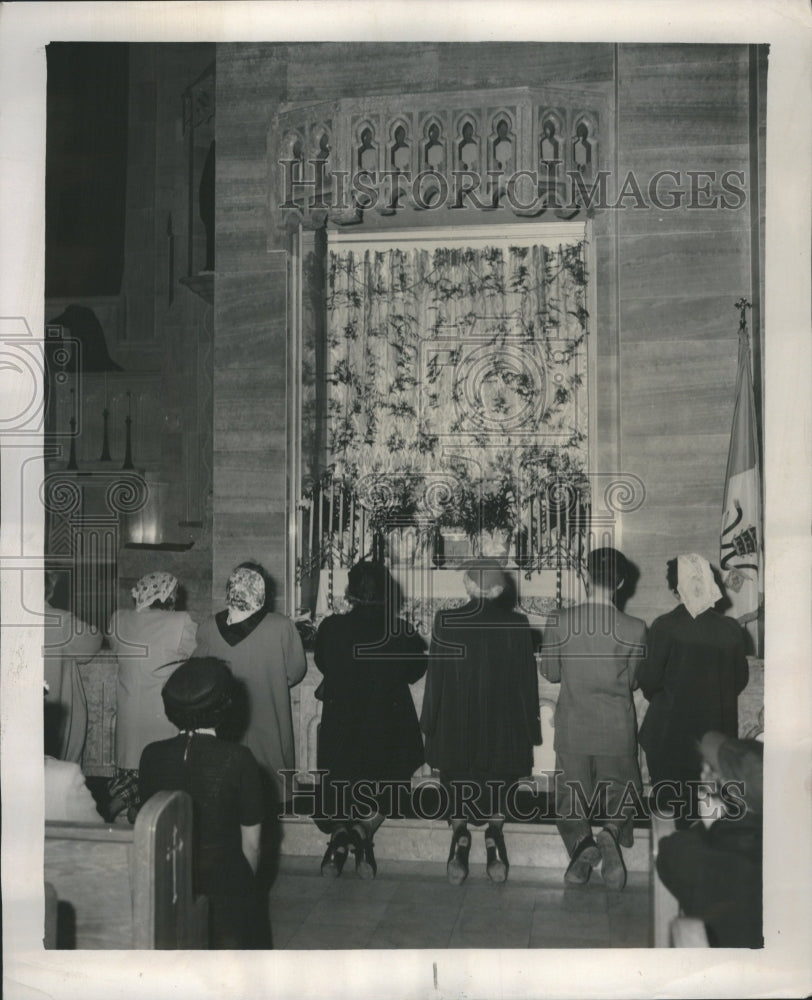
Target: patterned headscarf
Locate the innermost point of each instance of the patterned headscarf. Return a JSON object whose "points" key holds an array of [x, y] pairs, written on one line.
{"points": [[695, 584], [153, 587], [245, 590]]}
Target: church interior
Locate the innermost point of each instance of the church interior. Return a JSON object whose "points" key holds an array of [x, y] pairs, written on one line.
{"points": [[413, 303]]}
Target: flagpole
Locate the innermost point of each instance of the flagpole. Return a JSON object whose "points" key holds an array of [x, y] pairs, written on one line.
{"points": [[744, 335], [741, 543]]}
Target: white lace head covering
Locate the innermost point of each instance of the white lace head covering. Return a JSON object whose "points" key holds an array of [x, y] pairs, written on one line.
{"points": [[245, 590], [695, 584], [153, 587]]}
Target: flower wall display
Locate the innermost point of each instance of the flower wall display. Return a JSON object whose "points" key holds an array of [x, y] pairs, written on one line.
{"points": [[456, 376]]}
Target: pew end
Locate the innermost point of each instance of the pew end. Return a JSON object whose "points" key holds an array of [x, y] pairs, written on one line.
{"points": [[121, 887]]}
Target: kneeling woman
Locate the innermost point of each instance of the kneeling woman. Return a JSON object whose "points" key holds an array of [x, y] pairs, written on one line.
{"points": [[369, 729], [481, 712], [224, 782]]}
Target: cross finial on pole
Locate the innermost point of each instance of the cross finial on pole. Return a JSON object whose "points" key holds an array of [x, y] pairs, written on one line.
{"points": [[743, 305]]}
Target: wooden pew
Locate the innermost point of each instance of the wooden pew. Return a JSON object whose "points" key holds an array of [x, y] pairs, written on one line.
{"points": [[671, 929], [127, 887]]}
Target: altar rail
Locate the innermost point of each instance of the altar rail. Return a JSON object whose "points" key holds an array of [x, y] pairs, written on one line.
{"points": [[336, 527]]}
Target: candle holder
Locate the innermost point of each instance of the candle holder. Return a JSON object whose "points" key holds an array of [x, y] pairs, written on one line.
{"points": [[72, 465], [105, 452], [128, 423]]}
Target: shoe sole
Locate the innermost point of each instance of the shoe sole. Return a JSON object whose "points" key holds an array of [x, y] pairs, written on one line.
{"points": [[590, 858], [610, 851], [365, 871], [456, 873], [497, 872]]}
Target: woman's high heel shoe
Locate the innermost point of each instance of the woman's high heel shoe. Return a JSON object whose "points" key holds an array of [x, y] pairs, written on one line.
{"points": [[332, 864], [497, 863], [457, 867], [366, 866]]}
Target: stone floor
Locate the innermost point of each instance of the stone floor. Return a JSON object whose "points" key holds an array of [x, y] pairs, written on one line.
{"points": [[411, 905]]}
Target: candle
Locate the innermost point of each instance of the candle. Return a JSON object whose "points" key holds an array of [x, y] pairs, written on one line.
{"points": [[547, 528], [317, 489], [299, 539], [310, 520], [341, 523], [330, 521], [352, 525], [539, 548]]}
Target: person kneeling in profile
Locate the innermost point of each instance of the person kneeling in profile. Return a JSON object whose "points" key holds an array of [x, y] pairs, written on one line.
{"points": [[714, 868], [225, 785]]}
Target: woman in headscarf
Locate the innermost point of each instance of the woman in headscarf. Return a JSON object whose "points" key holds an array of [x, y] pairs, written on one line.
{"points": [[369, 730], [265, 654], [149, 642], [693, 672], [481, 712], [225, 786]]}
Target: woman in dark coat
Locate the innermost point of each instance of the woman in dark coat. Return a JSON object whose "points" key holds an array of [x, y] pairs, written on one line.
{"points": [[693, 672], [369, 730], [481, 711], [225, 785]]}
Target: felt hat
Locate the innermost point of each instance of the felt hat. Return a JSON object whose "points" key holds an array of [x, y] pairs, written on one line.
{"points": [[197, 692]]}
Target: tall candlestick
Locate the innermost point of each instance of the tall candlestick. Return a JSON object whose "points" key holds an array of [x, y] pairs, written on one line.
{"points": [[321, 521], [341, 524], [330, 521], [105, 452], [300, 542], [128, 450], [352, 526], [310, 523], [548, 533], [72, 464]]}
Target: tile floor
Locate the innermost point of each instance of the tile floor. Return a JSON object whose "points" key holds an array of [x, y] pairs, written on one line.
{"points": [[411, 905]]}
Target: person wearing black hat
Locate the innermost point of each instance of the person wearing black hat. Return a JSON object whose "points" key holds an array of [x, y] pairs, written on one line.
{"points": [[714, 868], [369, 730], [225, 784], [480, 712]]}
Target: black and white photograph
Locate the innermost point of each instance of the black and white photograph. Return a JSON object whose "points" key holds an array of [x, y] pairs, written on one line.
{"points": [[405, 464]]}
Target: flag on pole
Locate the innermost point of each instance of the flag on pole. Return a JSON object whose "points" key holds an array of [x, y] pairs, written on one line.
{"points": [[741, 544]]}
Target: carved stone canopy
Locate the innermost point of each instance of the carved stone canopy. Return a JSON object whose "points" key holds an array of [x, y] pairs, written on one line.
{"points": [[523, 149]]}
